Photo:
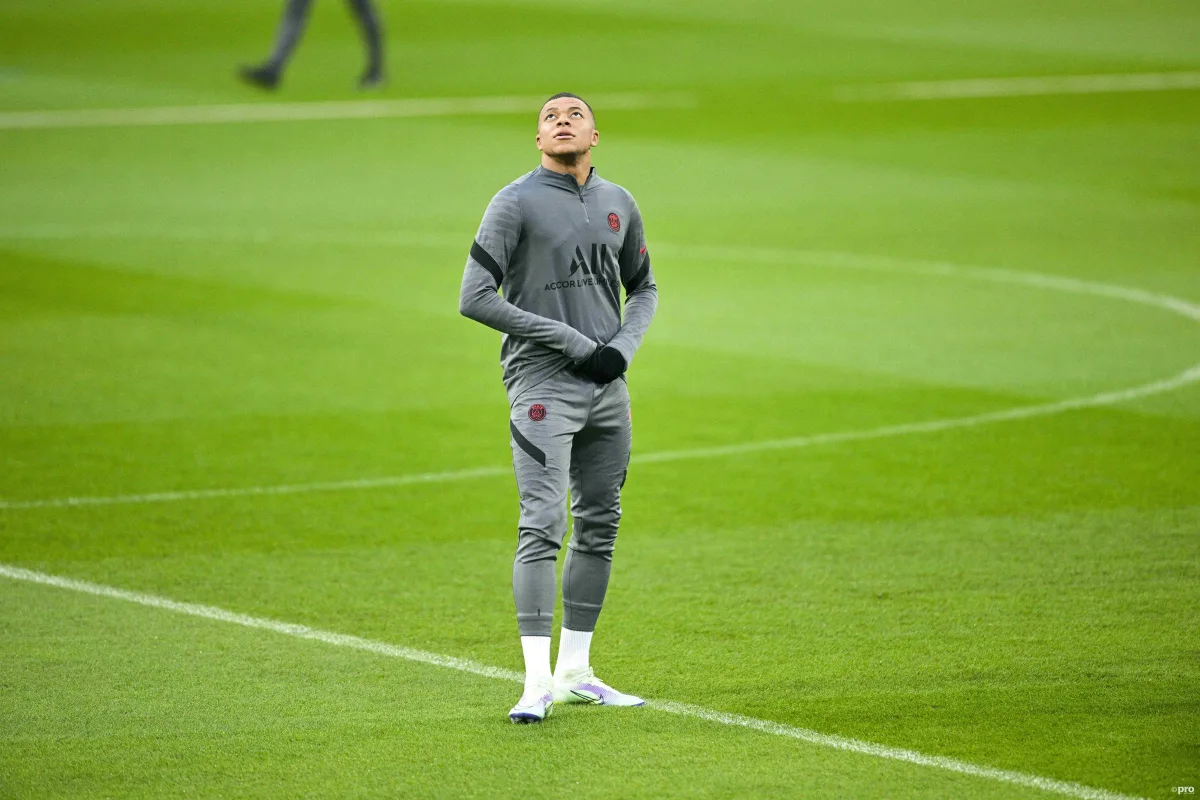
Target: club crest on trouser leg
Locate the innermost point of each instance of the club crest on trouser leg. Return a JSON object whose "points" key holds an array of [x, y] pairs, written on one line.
{"points": [[537, 412]]}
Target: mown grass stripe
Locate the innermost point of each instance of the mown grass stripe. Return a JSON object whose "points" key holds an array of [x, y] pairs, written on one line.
{"points": [[835, 260], [1050, 785]]}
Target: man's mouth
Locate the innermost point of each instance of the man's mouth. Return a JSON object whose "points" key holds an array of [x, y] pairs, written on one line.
{"points": [[564, 135]]}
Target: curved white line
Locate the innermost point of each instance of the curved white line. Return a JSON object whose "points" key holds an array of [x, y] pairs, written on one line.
{"points": [[1188, 376], [785, 257], [1065, 788]]}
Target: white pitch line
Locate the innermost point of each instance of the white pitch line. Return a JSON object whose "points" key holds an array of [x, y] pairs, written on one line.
{"points": [[1020, 87], [892, 753], [286, 628], [317, 111], [834, 260], [1188, 376], [249, 491], [1012, 777]]}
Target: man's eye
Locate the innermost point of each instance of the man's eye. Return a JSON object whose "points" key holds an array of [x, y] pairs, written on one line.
{"points": [[548, 116], [577, 114]]}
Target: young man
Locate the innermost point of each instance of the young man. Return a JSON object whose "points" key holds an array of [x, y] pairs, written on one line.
{"points": [[561, 242], [295, 16]]}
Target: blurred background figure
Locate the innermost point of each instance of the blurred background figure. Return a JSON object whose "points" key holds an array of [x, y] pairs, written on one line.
{"points": [[295, 16]]}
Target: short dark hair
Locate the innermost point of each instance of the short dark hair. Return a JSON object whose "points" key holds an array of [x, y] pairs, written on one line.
{"points": [[577, 97]]}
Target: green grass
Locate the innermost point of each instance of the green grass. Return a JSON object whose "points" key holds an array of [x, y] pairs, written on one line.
{"points": [[224, 306]]}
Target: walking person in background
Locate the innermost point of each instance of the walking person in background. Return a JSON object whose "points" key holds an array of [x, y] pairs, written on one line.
{"points": [[295, 16]]}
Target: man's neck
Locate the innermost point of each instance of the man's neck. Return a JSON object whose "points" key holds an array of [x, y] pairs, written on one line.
{"points": [[579, 166]]}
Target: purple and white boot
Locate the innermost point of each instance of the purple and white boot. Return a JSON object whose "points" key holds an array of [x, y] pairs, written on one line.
{"points": [[534, 706], [582, 686]]}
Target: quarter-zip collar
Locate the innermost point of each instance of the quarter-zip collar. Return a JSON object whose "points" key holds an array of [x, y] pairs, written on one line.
{"points": [[566, 180]]}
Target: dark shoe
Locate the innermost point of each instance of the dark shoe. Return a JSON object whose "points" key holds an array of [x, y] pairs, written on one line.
{"points": [[264, 76], [371, 79]]}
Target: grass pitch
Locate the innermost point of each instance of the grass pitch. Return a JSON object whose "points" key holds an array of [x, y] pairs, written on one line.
{"points": [[253, 305]]}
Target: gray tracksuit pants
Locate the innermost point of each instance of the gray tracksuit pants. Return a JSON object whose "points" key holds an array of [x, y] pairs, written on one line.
{"points": [[567, 432]]}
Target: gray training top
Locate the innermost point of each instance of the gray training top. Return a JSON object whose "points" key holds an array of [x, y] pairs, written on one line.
{"points": [[561, 253]]}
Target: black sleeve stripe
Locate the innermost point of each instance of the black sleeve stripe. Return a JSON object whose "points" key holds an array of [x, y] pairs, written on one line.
{"points": [[640, 276], [485, 260]]}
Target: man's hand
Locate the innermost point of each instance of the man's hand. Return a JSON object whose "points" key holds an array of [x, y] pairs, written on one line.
{"points": [[604, 365]]}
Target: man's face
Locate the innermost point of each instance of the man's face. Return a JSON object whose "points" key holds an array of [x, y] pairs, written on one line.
{"points": [[566, 128]]}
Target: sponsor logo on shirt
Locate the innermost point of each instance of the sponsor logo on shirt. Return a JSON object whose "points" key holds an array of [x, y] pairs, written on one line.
{"points": [[597, 268]]}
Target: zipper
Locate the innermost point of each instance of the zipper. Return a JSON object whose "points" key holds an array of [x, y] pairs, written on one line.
{"points": [[586, 218]]}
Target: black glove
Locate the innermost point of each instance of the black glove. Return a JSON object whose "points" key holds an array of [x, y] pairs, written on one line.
{"points": [[604, 365]]}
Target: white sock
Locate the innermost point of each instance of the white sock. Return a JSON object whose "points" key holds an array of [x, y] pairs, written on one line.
{"points": [[574, 650], [537, 662]]}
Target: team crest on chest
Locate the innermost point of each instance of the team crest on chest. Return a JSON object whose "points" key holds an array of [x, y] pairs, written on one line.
{"points": [[614, 222]]}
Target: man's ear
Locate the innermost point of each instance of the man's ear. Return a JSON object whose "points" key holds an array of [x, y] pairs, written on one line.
{"points": [[538, 140], [595, 138]]}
